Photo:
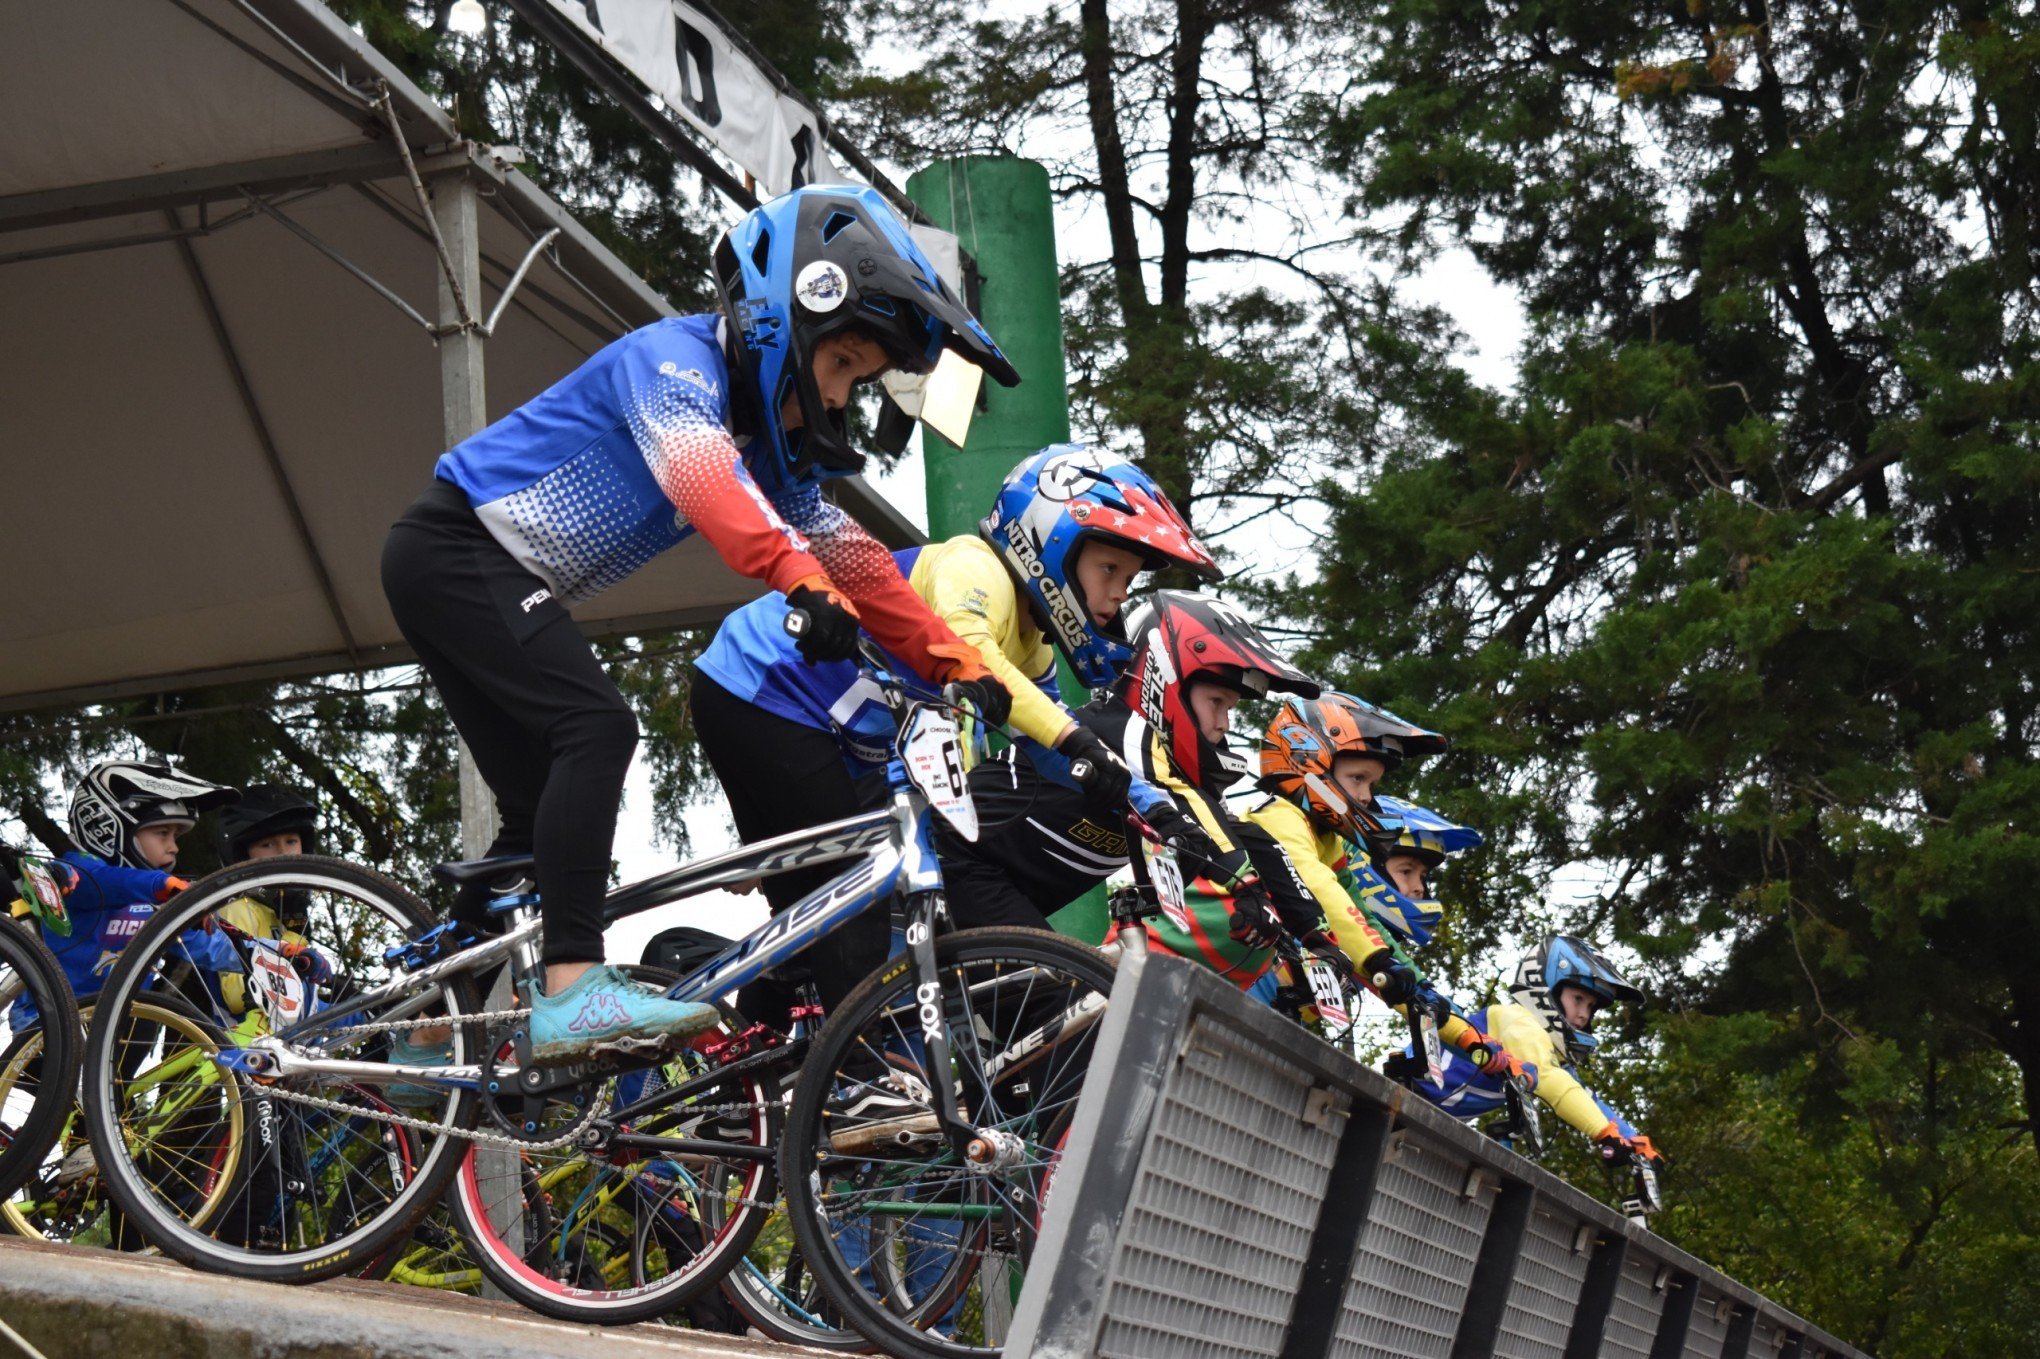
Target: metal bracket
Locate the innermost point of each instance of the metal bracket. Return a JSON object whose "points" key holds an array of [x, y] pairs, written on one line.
{"points": [[1478, 1177], [1663, 1280], [1321, 1107], [1583, 1239]]}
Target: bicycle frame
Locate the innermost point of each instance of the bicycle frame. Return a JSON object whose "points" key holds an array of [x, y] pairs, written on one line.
{"points": [[894, 853]]}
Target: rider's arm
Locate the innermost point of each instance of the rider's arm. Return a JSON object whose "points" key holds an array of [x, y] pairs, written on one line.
{"points": [[1302, 881], [970, 588], [675, 417], [1147, 755], [1522, 1033], [106, 885], [890, 610]]}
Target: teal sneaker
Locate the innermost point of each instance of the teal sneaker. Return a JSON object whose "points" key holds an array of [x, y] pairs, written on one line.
{"points": [[604, 1008], [403, 1052]]}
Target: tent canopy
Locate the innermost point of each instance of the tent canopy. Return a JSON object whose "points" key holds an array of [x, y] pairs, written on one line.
{"points": [[210, 410]]}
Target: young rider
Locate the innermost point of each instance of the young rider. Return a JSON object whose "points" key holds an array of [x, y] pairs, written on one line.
{"points": [[723, 424], [1320, 762], [797, 745], [1547, 1025], [1041, 844], [126, 818]]}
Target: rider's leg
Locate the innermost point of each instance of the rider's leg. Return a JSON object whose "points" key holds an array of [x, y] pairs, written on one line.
{"points": [[521, 680], [781, 776]]}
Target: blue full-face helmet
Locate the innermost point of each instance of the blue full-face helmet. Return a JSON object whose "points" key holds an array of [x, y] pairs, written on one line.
{"points": [[822, 261], [1561, 960]]}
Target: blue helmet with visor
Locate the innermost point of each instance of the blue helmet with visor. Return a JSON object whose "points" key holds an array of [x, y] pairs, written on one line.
{"points": [[828, 260], [1561, 960]]}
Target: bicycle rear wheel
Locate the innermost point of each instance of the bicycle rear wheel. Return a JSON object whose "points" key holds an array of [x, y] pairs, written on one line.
{"points": [[38, 1060], [920, 1250], [609, 1232], [291, 1180]]}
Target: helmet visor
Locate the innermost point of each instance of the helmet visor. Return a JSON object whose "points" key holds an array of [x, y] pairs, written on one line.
{"points": [[944, 398]]}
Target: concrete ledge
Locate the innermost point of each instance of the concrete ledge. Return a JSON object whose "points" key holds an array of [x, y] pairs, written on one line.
{"points": [[73, 1303]]}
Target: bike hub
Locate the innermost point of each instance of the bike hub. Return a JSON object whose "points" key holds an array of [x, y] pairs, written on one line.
{"points": [[994, 1150]]}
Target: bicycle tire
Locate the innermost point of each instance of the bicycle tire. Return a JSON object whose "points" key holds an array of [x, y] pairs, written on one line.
{"points": [[779, 1298], [45, 1209], [1002, 990], [325, 1238], [26, 1135], [559, 1276]]}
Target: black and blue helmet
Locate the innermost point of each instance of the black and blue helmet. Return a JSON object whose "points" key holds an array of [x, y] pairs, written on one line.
{"points": [[817, 262], [1568, 960]]}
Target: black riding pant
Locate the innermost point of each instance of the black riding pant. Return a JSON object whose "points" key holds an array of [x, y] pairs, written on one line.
{"points": [[781, 776], [547, 727]]}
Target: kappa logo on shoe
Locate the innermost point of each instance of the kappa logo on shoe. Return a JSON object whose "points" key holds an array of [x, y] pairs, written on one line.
{"points": [[600, 1013]]}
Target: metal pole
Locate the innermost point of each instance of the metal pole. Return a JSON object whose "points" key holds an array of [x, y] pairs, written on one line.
{"points": [[999, 208], [463, 411]]}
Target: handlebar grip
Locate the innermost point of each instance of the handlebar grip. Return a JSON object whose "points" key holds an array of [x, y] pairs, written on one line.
{"points": [[797, 623]]}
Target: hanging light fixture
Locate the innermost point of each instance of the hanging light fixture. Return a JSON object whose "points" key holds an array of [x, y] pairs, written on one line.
{"points": [[467, 17]]}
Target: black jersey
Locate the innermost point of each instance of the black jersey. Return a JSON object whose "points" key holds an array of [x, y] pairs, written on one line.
{"points": [[1040, 837]]}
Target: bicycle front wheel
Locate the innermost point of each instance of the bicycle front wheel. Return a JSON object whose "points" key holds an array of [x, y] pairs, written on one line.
{"points": [[920, 1249], [39, 1054], [287, 1180]]}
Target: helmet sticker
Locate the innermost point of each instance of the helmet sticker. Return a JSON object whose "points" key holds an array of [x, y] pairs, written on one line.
{"points": [[96, 827], [822, 286], [1068, 475]]}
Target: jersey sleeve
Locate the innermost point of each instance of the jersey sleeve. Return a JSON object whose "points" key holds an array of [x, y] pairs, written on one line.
{"points": [[675, 414], [1304, 882], [1148, 757], [974, 596], [104, 887], [859, 565], [1526, 1040]]}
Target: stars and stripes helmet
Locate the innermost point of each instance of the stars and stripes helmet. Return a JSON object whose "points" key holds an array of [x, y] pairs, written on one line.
{"points": [[1053, 503]]}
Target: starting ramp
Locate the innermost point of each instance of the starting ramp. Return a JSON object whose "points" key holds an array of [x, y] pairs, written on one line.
{"points": [[1238, 1188]]}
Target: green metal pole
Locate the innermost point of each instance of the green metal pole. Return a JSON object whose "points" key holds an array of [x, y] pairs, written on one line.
{"points": [[999, 208]]}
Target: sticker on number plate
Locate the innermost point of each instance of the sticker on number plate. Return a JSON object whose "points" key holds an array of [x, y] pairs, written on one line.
{"points": [[1167, 878], [934, 756], [1327, 992], [40, 890], [278, 988]]}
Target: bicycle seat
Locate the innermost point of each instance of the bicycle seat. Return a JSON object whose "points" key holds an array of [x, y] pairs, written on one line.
{"points": [[501, 869]]}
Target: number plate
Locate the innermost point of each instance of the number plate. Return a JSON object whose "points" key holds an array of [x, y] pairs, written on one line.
{"points": [[934, 756], [278, 987], [1434, 1050], [1328, 992], [39, 889], [1167, 878]]}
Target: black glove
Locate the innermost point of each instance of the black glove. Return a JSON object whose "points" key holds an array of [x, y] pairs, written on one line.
{"points": [[1395, 982], [830, 632], [1254, 921], [1320, 944], [1096, 769], [987, 695], [1194, 850]]}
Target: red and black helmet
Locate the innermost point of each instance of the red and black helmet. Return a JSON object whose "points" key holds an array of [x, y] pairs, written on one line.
{"points": [[1177, 637]]}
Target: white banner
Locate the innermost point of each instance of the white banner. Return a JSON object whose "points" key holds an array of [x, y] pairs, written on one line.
{"points": [[684, 55]]}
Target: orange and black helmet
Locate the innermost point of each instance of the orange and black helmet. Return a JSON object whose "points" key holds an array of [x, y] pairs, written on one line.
{"points": [[1299, 746]]}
